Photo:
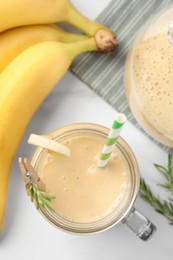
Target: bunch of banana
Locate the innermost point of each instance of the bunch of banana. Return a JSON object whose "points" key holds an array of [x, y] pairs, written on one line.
{"points": [[34, 56]]}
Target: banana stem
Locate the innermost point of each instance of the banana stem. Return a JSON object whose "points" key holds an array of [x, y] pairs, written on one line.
{"points": [[71, 37], [76, 48], [75, 18], [104, 37]]}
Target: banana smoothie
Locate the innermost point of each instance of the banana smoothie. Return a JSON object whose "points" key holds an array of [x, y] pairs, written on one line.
{"points": [[84, 192], [89, 199], [148, 80]]}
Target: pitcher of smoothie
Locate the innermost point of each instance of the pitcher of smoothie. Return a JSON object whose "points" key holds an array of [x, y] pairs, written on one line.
{"points": [[90, 199], [148, 77]]}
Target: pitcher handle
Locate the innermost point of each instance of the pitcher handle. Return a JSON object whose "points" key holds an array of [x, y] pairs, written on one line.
{"points": [[139, 224]]}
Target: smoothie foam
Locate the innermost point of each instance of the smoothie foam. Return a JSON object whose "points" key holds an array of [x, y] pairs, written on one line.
{"points": [[84, 192]]}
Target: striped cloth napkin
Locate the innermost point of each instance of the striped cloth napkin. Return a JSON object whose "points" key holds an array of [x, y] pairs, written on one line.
{"points": [[104, 73]]}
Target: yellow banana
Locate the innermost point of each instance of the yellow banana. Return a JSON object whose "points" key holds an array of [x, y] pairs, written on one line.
{"points": [[16, 13], [14, 41], [24, 84]]}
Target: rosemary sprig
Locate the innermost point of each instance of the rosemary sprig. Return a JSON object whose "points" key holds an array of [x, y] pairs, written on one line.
{"points": [[39, 198], [164, 207]]}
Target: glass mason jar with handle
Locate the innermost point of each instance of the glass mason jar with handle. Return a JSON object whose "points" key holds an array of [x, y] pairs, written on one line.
{"points": [[123, 211]]}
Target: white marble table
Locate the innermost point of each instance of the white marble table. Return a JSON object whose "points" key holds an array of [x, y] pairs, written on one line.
{"points": [[28, 236]]}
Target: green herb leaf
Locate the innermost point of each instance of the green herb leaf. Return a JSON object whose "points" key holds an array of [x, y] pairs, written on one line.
{"points": [[162, 170], [47, 197]]}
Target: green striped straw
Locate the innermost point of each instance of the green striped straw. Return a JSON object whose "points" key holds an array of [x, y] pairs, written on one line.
{"points": [[111, 140]]}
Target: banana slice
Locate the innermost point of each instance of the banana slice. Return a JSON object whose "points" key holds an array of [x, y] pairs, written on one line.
{"points": [[49, 144]]}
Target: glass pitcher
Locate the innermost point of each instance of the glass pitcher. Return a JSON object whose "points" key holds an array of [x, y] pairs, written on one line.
{"points": [[148, 77]]}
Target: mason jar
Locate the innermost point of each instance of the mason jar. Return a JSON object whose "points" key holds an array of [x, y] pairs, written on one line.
{"points": [[124, 211]]}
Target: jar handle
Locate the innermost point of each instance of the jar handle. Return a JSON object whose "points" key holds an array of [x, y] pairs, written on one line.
{"points": [[139, 224]]}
